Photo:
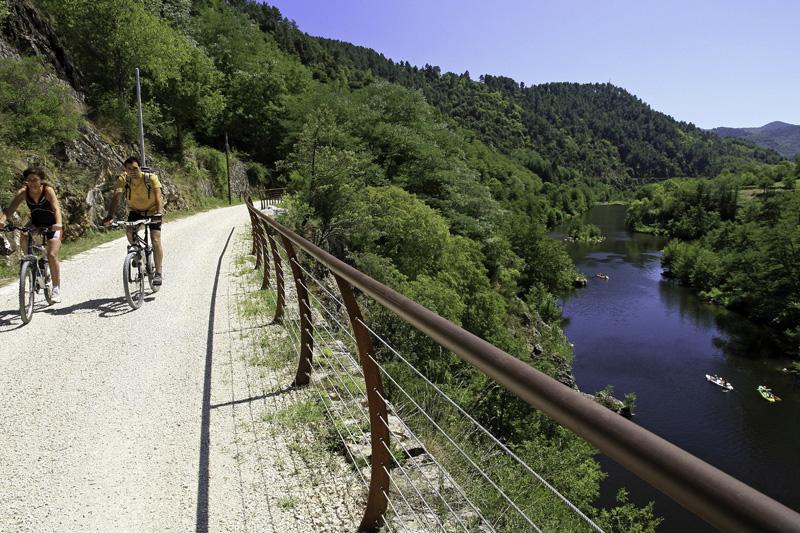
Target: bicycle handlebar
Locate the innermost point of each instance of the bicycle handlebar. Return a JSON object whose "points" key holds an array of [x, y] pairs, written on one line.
{"points": [[9, 227], [118, 223]]}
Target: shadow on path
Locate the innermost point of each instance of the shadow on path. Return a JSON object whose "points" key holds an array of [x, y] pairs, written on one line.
{"points": [[205, 436], [104, 307], [254, 398], [10, 320]]}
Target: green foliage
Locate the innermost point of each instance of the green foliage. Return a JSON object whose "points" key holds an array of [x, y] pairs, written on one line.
{"points": [[546, 261], [111, 38], [626, 517], [579, 231], [582, 131], [36, 109], [721, 239], [213, 163], [257, 175], [630, 403], [393, 223], [4, 10], [258, 78]]}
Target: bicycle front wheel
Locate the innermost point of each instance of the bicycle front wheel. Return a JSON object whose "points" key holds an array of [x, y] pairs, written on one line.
{"points": [[151, 271], [133, 280], [27, 291], [48, 282]]}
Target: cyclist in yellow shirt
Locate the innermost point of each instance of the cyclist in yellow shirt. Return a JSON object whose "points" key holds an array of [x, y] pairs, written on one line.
{"points": [[145, 200]]}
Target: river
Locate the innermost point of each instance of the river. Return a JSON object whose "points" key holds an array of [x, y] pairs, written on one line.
{"points": [[642, 333]]}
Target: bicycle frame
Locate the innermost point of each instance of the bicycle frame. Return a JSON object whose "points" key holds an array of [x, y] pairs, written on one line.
{"points": [[139, 262], [34, 251], [33, 271], [137, 242]]}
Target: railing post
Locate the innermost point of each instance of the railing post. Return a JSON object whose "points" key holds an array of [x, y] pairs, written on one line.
{"points": [[303, 376], [250, 208], [258, 244], [276, 259], [378, 416], [264, 252]]}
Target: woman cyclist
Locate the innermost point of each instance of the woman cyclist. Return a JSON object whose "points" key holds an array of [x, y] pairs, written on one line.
{"points": [[45, 217]]}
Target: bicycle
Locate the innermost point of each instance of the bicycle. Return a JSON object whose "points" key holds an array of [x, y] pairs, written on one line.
{"points": [[34, 272], [139, 263]]}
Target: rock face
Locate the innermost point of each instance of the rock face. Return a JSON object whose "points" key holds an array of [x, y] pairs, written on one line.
{"points": [[103, 163], [27, 32], [239, 184]]}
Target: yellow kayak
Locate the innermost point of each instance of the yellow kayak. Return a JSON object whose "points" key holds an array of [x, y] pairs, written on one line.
{"points": [[766, 393]]}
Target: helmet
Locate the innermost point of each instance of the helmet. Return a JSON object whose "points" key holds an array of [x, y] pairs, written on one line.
{"points": [[6, 246]]}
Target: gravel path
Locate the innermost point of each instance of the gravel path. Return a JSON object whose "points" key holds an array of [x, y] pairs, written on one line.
{"points": [[102, 419], [289, 479]]}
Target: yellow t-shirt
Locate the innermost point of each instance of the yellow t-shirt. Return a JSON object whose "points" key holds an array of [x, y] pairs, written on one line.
{"points": [[138, 199]]}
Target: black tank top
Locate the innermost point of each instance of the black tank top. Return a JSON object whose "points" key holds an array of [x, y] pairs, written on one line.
{"points": [[43, 214]]}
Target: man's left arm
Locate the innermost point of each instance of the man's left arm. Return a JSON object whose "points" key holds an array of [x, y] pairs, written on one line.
{"points": [[159, 199]]}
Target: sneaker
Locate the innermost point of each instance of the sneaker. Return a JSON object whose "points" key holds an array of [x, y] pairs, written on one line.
{"points": [[55, 294], [157, 279]]}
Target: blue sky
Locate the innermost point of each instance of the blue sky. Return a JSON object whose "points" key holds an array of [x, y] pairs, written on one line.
{"points": [[711, 62]]}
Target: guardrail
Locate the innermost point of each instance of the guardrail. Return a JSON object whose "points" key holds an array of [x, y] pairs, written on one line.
{"points": [[711, 494], [271, 197]]}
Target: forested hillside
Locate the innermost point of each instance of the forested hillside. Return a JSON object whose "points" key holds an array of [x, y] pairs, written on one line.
{"points": [[561, 131]]}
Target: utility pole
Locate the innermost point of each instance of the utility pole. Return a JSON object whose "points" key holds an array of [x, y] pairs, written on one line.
{"points": [[228, 167], [141, 119]]}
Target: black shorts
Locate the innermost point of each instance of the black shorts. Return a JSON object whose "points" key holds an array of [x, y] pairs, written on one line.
{"points": [[133, 216], [48, 232]]}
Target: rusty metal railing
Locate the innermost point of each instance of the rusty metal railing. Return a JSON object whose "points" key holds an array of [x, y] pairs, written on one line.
{"points": [[709, 493], [270, 197]]}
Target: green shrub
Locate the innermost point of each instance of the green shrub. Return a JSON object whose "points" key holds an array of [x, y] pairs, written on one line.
{"points": [[36, 110], [213, 162]]}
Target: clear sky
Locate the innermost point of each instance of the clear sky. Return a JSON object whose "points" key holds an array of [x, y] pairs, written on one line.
{"points": [[711, 62]]}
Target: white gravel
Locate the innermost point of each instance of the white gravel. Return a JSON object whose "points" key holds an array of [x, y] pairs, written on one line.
{"points": [[101, 407]]}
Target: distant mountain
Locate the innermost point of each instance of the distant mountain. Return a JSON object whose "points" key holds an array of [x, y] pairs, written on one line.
{"points": [[782, 137]]}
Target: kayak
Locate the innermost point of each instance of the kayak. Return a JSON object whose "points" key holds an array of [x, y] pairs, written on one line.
{"points": [[716, 380], [766, 393]]}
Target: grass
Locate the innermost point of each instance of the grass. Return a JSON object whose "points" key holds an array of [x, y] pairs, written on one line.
{"points": [[286, 502], [93, 238], [296, 415]]}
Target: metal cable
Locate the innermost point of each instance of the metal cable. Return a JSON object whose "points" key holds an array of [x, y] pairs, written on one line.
{"points": [[484, 430], [417, 517], [457, 447], [358, 366], [413, 486], [453, 482]]}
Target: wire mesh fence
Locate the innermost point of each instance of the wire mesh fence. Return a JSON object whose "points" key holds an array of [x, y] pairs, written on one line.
{"points": [[447, 471], [427, 430]]}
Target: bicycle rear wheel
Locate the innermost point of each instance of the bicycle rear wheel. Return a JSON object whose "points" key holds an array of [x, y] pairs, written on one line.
{"points": [[133, 280], [27, 291]]}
